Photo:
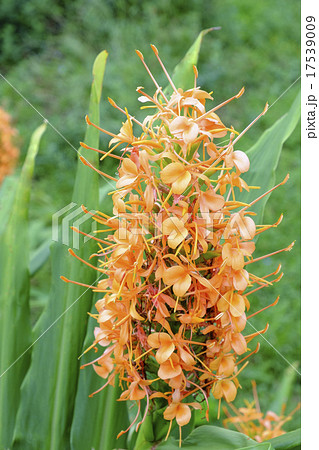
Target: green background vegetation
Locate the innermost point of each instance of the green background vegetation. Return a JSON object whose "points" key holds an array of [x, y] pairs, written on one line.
{"points": [[46, 52]]}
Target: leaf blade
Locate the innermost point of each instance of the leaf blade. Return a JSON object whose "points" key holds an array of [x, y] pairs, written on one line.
{"points": [[47, 405], [183, 75], [287, 441], [205, 435], [264, 157], [14, 294]]}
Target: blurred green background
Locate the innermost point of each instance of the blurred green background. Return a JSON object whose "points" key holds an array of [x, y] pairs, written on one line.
{"points": [[47, 49]]}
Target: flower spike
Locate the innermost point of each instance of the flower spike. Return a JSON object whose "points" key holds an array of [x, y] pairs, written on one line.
{"points": [[174, 256]]}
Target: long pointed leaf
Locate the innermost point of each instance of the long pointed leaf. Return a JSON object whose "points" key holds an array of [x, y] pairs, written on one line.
{"points": [[264, 157], [102, 416], [15, 326], [284, 389], [183, 74], [49, 389]]}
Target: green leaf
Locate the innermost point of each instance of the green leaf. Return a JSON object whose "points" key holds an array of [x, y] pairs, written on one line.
{"points": [[15, 326], [288, 441], [264, 157], [211, 437], [102, 416], [49, 389], [39, 257], [183, 74], [7, 192], [259, 446], [284, 389]]}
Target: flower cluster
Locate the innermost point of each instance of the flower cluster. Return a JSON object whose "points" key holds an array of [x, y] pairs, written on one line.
{"points": [[251, 421], [8, 151], [176, 254]]}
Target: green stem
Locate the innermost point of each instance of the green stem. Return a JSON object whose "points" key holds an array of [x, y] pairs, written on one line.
{"points": [[145, 436]]}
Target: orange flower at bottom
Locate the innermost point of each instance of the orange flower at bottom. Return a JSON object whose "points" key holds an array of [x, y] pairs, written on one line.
{"points": [[179, 411]]}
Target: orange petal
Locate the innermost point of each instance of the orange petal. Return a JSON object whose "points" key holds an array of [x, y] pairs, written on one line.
{"points": [[211, 201], [177, 382], [226, 366], [247, 248], [149, 198], [238, 343], [181, 286], [164, 352], [174, 227], [172, 224], [240, 280], [125, 180], [172, 274], [239, 323], [174, 239], [241, 161], [170, 412], [237, 307], [136, 392], [183, 414], [155, 340], [178, 125], [229, 390], [247, 228], [128, 167], [134, 313], [179, 186], [186, 357], [172, 172], [101, 371], [191, 133], [168, 370], [226, 252], [224, 302]]}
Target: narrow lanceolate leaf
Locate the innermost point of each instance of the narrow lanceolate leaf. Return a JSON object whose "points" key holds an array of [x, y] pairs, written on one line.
{"points": [[183, 74], [264, 157], [101, 416], [39, 257], [15, 326], [284, 388], [49, 389]]}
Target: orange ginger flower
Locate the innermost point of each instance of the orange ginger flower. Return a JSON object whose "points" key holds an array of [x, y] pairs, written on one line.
{"points": [[9, 153], [251, 421], [176, 257]]}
